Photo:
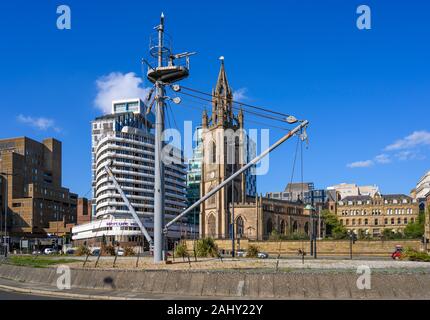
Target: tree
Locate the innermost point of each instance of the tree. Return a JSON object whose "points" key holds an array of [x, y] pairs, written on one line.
{"points": [[415, 230], [334, 228]]}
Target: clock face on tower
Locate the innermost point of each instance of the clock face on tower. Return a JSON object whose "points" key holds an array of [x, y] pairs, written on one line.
{"points": [[211, 175]]}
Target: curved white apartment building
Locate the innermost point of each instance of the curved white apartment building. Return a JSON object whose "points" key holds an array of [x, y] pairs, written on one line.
{"points": [[124, 140]]}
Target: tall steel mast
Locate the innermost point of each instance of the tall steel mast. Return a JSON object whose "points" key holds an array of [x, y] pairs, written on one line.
{"points": [[170, 68]]}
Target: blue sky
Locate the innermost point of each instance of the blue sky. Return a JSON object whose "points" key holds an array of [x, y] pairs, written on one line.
{"points": [[366, 93]]}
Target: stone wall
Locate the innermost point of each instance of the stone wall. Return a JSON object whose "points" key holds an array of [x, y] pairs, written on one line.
{"points": [[324, 247], [232, 284]]}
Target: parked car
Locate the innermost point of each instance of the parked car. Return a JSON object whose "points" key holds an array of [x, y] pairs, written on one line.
{"points": [[241, 253], [397, 254], [50, 251], [262, 255], [95, 252], [36, 252], [120, 252]]}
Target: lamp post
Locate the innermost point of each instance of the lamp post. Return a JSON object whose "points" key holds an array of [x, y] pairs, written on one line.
{"points": [[312, 231], [5, 176]]}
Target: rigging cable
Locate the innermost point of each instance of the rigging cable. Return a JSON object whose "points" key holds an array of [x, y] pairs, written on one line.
{"points": [[237, 102]]}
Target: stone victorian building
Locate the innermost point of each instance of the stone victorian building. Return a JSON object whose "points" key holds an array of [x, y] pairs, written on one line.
{"points": [[226, 148], [374, 214]]}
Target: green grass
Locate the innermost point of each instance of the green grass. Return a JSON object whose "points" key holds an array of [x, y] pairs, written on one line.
{"points": [[37, 262]]}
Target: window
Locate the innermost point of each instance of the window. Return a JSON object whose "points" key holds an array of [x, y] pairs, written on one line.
{"points": [[211, 226], [376, 222], [213, 152], [239, 227]]}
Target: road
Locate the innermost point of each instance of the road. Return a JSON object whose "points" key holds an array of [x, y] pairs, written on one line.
{"points": [[9, 295]]}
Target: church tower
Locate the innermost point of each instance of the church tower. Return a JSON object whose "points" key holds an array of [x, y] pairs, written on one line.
{"points": [[224, 147]]}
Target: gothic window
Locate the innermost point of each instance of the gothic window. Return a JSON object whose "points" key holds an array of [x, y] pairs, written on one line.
{"points": [[307, 227], [239, 227], [213, 153], [282, 231], [295, 226], [211, 226]]}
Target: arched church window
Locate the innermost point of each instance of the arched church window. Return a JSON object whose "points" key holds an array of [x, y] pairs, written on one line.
{"points": [[239, 227], [282, 231], [307, 227], [211, 226], [213, 153], [295, 227]]}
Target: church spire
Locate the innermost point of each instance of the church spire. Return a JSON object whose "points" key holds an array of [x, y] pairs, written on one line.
{"points": [[222, 98], [222, 88]]}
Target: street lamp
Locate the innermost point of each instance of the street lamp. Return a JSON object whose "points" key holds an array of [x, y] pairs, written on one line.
{"points": [[312, 235], [5, 176]]}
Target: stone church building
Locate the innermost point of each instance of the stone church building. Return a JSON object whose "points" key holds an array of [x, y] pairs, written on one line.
{"points": [[226, 148]]}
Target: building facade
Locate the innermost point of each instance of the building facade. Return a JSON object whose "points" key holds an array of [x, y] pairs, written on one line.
{"points": [[351, 189], [194, 178], [259, 217], [423, 187], [84, 211], [372, 215], [293, 192], [124, 141], [37, 204]]}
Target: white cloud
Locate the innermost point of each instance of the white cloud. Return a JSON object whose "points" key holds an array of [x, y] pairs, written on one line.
{"points": [[117, 86], [39, 123], [408, 148], [383, 158], [240, 94], [416, 139], [360, 164], [409, 155]]}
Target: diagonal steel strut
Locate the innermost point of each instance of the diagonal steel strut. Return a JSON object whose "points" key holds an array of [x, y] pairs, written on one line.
{"points": [[128, 204]]}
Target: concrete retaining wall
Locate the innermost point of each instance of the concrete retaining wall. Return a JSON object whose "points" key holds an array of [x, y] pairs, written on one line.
{"points": [[324, 247], [233, 284]]}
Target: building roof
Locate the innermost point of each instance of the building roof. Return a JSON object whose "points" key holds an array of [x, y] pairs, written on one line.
{"points": [[395, 196], [357, 198], [298, 186]]}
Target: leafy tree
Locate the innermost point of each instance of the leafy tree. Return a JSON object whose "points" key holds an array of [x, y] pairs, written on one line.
{"points": [[415, 230], [206, 247], [181, 250], [388, 234], [334, 228], [252, 251]]}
